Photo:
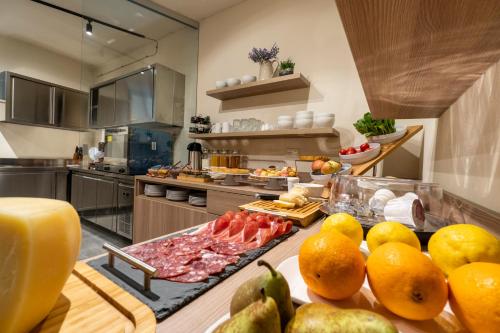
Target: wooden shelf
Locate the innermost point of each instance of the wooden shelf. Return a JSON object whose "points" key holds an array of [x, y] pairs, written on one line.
{"points": [[276, 84], [289, 133], [385, 150], [180, 204], [415, 58]]}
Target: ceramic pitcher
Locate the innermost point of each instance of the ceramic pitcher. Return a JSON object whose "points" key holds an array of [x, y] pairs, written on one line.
{"points": [[267, 70]]}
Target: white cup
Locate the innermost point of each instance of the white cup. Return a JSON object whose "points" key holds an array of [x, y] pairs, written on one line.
{"points": [[226, 127], [216, 128], [291, 181]]}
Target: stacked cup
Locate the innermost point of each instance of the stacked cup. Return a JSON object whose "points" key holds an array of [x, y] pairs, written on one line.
{"points": [[324, 120], [304, 119]]}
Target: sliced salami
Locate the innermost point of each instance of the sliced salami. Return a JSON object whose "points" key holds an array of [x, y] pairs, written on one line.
{"points": [[172, 271], [229, 248], [194, 275]]}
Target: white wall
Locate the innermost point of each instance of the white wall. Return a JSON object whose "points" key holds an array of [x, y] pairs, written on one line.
{"points": [[467, 158], [310, 32], [178, 51], [20, 141]]}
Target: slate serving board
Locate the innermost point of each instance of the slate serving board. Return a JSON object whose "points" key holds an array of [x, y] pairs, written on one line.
{"points": [[166, 297]]}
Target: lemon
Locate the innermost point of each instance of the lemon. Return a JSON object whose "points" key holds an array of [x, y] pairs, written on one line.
{"points": [[459, 244], [284, 204], [385, 232], [345, 224]]}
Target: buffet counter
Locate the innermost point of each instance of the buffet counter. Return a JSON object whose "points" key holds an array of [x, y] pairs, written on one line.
{"points": [[156, 216]]}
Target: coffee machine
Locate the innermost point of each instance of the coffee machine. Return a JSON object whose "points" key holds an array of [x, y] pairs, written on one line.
{"points": [[132, 150]]}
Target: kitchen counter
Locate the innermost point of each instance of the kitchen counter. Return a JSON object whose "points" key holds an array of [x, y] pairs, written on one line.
{"points": [[215, 186], [32, 165], [205, 310], [156, 216], [198, 315], [128, 178]]}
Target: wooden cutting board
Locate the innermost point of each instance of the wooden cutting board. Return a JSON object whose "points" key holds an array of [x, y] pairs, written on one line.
{"points": [[89, 302], [304, 215]]}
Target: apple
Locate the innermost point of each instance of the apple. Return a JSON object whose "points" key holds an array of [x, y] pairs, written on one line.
{"points": [[351, 150], [316, 166], [330, 167]]}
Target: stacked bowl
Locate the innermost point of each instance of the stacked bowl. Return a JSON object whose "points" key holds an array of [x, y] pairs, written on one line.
{"points": [[304, 119], [285, 122], [324, 120]]}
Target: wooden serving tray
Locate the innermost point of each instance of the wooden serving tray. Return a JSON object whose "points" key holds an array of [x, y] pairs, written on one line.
{"points": [[89, 302], [304, 215]]}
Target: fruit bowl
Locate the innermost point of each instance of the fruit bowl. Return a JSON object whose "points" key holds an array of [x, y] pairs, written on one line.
{"points": [[364, 299], [362, 157]]}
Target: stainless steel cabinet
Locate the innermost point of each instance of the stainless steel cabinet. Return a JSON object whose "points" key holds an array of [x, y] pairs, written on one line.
{"points": [[125, 210], [103, 106], [154, 94], [106, 203], [34, 102], [70, 108], [134, 98], [31, 102], [28, 184]]}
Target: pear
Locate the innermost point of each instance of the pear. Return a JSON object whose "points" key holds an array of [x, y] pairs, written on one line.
{"points": [[261, 316], [274, 285], [323, 318]]}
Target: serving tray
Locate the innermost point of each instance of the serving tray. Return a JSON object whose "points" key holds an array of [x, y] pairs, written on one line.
{"points": [[304, 215], [166, 297]]}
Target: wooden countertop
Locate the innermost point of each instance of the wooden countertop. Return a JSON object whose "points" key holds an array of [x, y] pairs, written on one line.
{"points": [[206, 309], [215, 186]]}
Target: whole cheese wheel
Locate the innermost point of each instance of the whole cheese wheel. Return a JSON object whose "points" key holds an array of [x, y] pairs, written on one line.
{"points": [[39, 244]]}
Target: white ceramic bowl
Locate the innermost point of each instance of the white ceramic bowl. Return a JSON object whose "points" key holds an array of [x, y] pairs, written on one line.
{"points": [[248, 78], [324, 114], [303, 123], [231, 82], [306, 114], [285, 124], [315, 190], [321, 179], [363, 156], [285, 117], [323, 122], [387, 138], [220, 84]]}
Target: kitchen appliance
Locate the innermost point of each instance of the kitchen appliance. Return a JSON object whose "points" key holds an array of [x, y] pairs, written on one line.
{"points": [[132, 150], [194, 159]]}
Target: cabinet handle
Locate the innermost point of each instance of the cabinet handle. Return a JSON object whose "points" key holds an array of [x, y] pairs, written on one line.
{"points": [[148, 270]]}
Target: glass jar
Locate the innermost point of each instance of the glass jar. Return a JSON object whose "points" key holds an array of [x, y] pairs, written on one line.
{"points": [[224, 159], [214, 159], [234, 160]]}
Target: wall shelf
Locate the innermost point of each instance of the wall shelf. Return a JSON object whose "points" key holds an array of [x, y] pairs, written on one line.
{"points": [[289, 133], [276, 84]]}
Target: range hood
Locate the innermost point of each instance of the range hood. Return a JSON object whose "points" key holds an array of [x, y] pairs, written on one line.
{"points": [[153, 95]]}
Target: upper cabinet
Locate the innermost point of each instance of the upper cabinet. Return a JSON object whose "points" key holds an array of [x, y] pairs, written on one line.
{"points": [[415, 58], [154, 94], [29, 101]]}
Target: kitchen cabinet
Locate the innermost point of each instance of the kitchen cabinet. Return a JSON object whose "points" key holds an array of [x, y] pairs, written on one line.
{"points": [[103, 106], [158, 216], [134, 98], [154, 94], [106, 203], [31, 102], [70, 109], [28, 184]]}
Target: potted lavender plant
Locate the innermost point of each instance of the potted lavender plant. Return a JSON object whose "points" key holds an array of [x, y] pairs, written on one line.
{"points": [[265, 58]]}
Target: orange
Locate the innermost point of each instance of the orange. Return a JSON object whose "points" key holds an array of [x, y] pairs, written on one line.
{"points": [[406, 281], [331, 265], [475, 296]]}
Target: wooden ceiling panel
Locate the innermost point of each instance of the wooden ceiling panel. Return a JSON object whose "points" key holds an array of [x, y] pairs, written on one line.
{"points": [[416, 57]]}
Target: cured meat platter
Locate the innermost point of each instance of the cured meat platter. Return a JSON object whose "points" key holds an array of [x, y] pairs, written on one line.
{"points": [[190, 263]]}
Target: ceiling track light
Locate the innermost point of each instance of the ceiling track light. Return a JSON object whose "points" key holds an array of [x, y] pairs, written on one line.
{"points": [[88, 28]]}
